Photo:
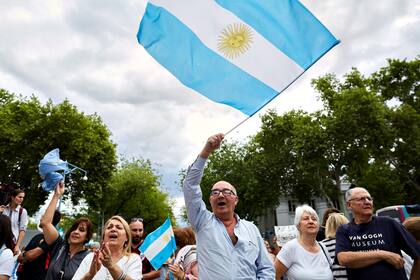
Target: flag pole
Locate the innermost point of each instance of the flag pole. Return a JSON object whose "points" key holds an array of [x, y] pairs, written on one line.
{"points": [[236, 126]]}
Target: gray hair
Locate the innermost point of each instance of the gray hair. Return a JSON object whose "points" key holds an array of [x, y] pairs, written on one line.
{"points": [[302, 209], [349, 193]]}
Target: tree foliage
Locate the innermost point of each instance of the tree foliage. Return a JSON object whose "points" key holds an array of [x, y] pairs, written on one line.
{"points": [[367, 133], [232, 163], [133, 191], [29, 129]]}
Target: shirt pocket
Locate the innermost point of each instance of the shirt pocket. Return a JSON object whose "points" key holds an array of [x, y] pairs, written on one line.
{"points": [[249, 250]]}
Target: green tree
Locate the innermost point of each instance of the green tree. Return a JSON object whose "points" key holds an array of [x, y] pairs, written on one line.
{"points": [[293, 152], [29, 129], [133, 191], [367, 133], [354, 120], [399, 81]]}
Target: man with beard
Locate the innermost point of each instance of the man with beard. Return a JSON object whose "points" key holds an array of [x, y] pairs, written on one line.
{"points": [[227, 247], [370, 246], [137, 231]]}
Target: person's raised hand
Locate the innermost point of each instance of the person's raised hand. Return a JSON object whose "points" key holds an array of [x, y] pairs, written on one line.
{"points": [[106, 258], [95, 264], [59, 189], [212, 144]]}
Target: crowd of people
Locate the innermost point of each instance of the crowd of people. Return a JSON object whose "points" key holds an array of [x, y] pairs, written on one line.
{"points": [[218, 245]]}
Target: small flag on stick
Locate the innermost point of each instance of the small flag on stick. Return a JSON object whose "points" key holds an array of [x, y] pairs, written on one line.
{"points": [[159, 245]]}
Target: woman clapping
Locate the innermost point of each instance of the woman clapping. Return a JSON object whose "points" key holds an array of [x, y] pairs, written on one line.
{"points": [[114, 259]]}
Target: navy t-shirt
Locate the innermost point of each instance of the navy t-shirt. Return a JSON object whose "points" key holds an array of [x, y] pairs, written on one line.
{"points": [[35, 270], [381, 233]]}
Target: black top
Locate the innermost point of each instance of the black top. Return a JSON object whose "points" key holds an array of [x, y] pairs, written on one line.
{"points": [[321, 234], [35, 270], [60, 259]]}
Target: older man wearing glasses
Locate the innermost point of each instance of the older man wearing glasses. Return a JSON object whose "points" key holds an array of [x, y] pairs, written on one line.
{"points": [[227, 247], [370, 246]]}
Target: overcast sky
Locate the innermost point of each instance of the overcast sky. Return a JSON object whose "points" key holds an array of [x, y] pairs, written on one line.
{"points": [[87, 51]]}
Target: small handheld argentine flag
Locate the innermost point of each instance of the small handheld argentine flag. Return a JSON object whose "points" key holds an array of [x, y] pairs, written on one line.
{"points": [[159, 245], [239, 53]]}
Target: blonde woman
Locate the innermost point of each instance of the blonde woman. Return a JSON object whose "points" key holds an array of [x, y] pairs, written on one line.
{"points": [[114, 260], [303, 258], [334, 221]]}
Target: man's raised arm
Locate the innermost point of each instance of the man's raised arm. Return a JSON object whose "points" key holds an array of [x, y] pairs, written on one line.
{"points": [[191, 186]]}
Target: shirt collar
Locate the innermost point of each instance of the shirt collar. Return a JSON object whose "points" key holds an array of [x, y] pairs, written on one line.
{"points": [[16, 209], [236, 217]]}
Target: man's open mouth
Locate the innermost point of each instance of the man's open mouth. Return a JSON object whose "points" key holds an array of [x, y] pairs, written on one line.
{"points": [[221, 203]]}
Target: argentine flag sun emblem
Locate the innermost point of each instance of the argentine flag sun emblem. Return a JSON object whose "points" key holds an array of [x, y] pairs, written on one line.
{"points": [[239, 53], [235, 40]]}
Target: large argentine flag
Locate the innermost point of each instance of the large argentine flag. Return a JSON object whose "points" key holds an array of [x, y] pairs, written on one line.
{"points": [[159, 245], [241, 53]]}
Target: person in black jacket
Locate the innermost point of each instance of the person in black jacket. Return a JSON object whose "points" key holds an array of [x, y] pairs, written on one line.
{"points": [[35, 257]]}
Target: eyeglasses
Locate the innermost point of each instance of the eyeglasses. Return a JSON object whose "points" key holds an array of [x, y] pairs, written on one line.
{"points": [[226, 192], [362, 199], [136, 220]]}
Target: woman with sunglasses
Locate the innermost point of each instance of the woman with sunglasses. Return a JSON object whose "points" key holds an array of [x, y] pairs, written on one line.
{"points": [[114, 260], [67, 253]]}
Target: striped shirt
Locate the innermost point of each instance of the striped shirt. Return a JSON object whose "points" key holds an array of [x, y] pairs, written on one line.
{"points": [[339, 271]]}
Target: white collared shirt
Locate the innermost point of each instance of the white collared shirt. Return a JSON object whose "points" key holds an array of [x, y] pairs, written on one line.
{"points": [[14, 219]]}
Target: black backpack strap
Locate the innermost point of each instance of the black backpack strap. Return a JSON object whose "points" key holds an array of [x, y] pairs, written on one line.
{"points": [[20, 216]]}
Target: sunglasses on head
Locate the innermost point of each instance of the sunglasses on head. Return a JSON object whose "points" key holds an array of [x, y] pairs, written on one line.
{"points": [[136, 220]]}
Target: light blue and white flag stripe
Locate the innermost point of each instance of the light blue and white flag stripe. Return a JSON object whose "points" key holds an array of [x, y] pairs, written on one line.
{"points": [[159, 245], [240, 53]]}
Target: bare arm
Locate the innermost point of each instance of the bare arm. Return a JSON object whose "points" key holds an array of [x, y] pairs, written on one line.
{"points": [[364, 259], [21, 236], [30, 255], [281, 269], [50, 232]]}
